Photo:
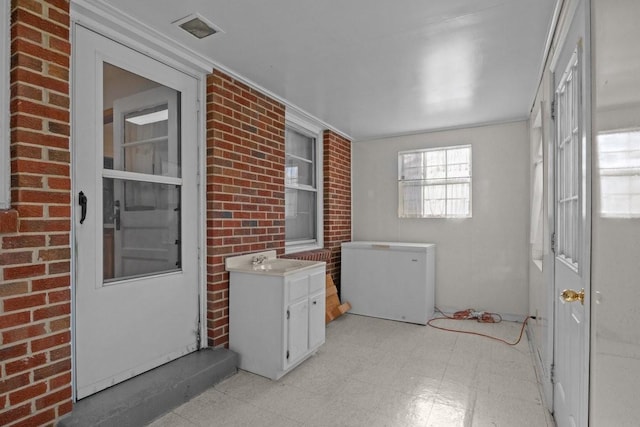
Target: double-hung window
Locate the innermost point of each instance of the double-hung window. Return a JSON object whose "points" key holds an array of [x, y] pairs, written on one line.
{"points": [[435, 183], [303, 185]]}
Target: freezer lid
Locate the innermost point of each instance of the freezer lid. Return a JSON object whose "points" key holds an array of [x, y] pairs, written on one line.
{"points": [[393, 246]]}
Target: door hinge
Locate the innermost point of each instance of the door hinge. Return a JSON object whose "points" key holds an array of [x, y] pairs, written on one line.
{"points": [[288, 314], [553, 109], [552, 373], [287, 354], [553, 242]]}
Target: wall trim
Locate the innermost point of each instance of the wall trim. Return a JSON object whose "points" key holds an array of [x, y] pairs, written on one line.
{"points": [[446, 129], [5, 134]]}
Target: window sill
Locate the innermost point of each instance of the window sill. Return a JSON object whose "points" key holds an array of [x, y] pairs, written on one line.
{"points": [[294, 249], [8, 221]]}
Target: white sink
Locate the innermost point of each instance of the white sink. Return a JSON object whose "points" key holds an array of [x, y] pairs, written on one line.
{"points": [[269, 265]]}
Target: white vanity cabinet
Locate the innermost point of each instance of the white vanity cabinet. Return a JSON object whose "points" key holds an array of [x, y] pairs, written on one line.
{"points": [[276, 321]]}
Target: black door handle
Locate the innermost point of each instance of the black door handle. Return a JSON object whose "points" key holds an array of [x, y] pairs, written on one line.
{"points": [[116, 208], [82, 201]]}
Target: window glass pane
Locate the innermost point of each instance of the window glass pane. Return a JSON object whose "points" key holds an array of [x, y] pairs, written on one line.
{"points": [[411, 166], [300, 208], [141, 228], [435, 183], [619, 167], [298, 144], [143, 136], [299, 172]]}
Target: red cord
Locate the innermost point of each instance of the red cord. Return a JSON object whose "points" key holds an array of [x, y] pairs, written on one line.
{"points": [[471, 314]]}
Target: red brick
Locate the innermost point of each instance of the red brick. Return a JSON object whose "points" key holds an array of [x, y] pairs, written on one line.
{"points": [[51, 370], [27, 393], [14, 319], [30, 211], [16, 288], [54, 254], [30, 137], [50, 341], [25, 61], [32, 226], [60, 353], [52, 311], [39, 167], [27, 151], [8, 221], [53, 398], [8, 353], [20, 30], [23, 272], [26, 301], [60, 381], [59, 211], [26, 363], [50, 283], [24, 91], [29, 122], [34, 20], [61, 324], [13, 383], [23, 333], [58, 240], [15, 242], [12, 258], [43, 418], [59, 267], [11, 415], [59, 183], [42, 110]]}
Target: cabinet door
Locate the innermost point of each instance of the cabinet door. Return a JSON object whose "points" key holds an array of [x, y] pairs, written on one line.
{"points": [[298, 330], [316, 319]]}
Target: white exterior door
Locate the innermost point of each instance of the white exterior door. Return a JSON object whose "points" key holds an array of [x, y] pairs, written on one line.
{"points": [[572, 234], [135, 157]]}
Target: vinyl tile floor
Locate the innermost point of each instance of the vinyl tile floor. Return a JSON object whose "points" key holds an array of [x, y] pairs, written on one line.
{"points": [[373, 372]]}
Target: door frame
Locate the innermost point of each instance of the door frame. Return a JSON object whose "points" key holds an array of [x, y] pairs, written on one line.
{"points": [[586, 137], [121, 28]]}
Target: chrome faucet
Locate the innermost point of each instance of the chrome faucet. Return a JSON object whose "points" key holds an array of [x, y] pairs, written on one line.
{"points": [[259, 259]]}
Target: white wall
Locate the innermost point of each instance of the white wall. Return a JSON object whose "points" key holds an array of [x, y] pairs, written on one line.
{"points": [[481, 262], [615, 322]]}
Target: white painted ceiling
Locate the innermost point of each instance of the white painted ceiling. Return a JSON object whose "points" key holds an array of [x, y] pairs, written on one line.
{"points": [[374, 68]]}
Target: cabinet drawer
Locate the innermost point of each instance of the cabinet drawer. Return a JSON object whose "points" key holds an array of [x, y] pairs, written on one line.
{"points": [[317, 281], [298, 287]]}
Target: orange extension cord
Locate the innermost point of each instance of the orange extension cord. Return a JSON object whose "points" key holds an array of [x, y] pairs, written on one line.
{"points": [[481, 317]]}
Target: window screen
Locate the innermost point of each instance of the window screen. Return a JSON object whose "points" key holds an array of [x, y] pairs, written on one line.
{"points": [[435, 183]]}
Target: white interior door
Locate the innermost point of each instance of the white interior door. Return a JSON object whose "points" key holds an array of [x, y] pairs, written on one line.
{"points": [[135, 157], [572, 225]]}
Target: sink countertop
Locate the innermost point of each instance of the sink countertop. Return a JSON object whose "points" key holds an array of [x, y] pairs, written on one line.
{"points": [[271, 265]]}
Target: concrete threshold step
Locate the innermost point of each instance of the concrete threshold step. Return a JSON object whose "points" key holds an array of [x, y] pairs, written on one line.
{"points": [[142, 399]]}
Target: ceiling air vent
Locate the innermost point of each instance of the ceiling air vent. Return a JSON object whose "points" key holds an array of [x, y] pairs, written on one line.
{"points": [[197, 26]]}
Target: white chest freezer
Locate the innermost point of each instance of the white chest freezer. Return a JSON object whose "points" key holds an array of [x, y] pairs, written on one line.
{"points": [[389, 280]]}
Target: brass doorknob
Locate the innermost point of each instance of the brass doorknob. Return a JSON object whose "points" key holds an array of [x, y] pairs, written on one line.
{"points": [[569, 295]]}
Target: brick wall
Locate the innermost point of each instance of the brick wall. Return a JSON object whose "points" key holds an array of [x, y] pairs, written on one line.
{"points": [[35, 300], [245, 186], [337, 198]]}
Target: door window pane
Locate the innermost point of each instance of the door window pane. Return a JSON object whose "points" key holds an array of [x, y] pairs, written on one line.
{"points": [[142, 232], [141, 214]]}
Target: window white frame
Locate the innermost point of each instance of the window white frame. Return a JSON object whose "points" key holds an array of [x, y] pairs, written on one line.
{"points": [[619, 167], [5, 137], [303, 125], [424, 183]]}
